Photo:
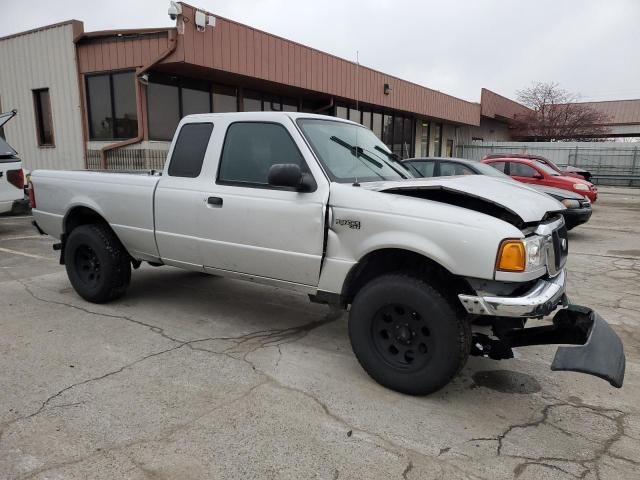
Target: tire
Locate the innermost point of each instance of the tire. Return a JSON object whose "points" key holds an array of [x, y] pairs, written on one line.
{"points": [[407, 336], [97, 264]]}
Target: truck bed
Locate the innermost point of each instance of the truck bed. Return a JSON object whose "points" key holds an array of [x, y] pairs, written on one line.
{"points": [[124, 200]]}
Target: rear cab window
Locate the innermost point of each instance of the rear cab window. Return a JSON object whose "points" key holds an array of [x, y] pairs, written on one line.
{"points": [[189, 151]]}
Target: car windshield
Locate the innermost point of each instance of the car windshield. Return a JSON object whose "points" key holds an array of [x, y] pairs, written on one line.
{"points": [[546, 168], [351, 153]]}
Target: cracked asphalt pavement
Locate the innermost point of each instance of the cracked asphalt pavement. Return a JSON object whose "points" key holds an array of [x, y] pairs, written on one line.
{"points": [[190, 376]]}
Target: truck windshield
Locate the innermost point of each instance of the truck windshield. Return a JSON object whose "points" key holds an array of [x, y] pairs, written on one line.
{"points": [[351, 153]]}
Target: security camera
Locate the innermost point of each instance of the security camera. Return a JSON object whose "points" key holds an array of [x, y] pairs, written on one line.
{"points": [[175, 9]]}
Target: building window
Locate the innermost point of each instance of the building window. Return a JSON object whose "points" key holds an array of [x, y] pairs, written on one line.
{"points": [[366, 119], [342, 112], [387, 130], [195, 101], [397, 136], [225, 99], [437, 140], [163, 105], [111, 100], [1, 126], [377, 125], [424, 139], [354, 115], [170, 99], [44, 120], [253, 101], [449, 148]]}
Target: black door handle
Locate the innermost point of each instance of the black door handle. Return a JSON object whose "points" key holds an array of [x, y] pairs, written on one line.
{"points": [[215, 201]]}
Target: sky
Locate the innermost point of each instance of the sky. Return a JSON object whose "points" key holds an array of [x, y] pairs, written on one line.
{"points": [[590, 47]]}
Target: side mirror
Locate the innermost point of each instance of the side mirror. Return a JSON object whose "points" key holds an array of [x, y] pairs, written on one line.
{"points": [[538, 176], [289, 175]]}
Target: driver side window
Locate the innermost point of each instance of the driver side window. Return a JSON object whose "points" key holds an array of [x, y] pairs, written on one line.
{"points": [[522, 170], [425, 168], [252, 148]]}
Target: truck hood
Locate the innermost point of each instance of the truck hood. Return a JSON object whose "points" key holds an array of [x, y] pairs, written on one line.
{"points": [[500, 198]]}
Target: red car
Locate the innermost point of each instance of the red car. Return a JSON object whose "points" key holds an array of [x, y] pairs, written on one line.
{"points": [[532, 171], [568, 171]]}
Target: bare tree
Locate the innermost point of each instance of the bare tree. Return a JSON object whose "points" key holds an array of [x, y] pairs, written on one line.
{"points": [[556, 115]]}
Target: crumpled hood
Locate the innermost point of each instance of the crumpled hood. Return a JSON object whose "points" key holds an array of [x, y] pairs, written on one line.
{"points": [[526, 203]]}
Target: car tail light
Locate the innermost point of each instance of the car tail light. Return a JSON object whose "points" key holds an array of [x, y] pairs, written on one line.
{"points": [[32, 196], [16, 178]]}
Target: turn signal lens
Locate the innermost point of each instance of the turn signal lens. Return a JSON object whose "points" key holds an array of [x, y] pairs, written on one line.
{"points": [[512, 256]]}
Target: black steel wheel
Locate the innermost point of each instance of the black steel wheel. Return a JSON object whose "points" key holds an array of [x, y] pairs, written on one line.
{"points": [[402, 336], [87, 264], [406, 335], [98, 266]]}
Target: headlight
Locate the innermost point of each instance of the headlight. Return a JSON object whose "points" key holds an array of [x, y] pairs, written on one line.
{"points": [[533, 246], [581, 186], [520, 255], [567, 202]]}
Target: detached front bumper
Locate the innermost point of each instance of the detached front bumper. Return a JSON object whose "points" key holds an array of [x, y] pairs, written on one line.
{"points": [[596, 349], [540, 300]]}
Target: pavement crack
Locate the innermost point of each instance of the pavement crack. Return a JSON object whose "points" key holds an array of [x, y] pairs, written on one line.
{"points": [[52, 397], [155, 329], [590, 464], [407, 470]]}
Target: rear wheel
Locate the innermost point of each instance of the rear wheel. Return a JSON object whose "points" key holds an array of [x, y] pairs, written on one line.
{"points": [[406, 335], [97, 264]]}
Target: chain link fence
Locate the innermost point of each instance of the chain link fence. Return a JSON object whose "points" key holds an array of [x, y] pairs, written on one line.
{"points": [[609, 163]]}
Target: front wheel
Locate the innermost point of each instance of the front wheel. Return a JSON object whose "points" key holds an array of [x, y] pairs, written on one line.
{"points": [[406, 335], [97, 264]]}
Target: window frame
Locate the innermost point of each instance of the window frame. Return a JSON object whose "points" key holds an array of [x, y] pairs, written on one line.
{"points": [[109, 75], [263, 186], [175, 144], [39, 117]]}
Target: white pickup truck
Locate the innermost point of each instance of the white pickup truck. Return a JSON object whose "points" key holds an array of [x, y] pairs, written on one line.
{"points": [[319, 205]]}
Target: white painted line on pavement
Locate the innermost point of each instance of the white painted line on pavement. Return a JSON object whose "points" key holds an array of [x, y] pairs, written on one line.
{"points": [[24, 237], [24, 254]]}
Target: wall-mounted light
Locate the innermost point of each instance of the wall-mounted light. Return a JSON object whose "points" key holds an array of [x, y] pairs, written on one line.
{"points": [[200, 21], [387, 89]]}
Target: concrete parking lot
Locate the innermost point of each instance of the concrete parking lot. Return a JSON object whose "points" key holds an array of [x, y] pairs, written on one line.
{"points": [[192, 377]]}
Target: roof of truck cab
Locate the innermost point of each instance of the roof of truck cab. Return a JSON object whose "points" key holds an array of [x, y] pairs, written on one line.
{"points": [[266, 115]]}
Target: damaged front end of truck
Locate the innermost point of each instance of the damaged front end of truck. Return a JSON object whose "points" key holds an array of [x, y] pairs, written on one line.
{"points": [[500, 308]]}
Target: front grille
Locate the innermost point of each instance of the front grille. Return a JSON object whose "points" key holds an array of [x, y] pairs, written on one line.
{"points": [[560, 242]]}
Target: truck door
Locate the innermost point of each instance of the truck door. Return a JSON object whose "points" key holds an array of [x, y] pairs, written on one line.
{"points": [[250, 227], [178, 198]]}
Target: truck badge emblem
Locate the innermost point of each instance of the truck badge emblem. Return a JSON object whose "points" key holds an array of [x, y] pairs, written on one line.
{"points": [[353, 224]]}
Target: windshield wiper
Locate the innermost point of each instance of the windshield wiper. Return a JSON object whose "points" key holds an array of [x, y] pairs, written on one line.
{"points": [[356, 151]]}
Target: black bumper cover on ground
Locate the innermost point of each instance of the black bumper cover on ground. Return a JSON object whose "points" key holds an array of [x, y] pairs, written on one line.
{"points": [[596, 349], [601, 354]]}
